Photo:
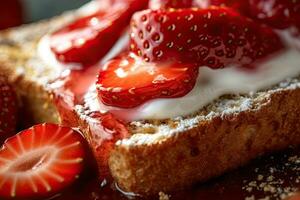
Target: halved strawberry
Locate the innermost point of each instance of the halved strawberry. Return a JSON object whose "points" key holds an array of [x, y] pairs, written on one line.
{"points": [[8, 109], [128, 81], [88, 39], [40, 161], [214, 37]]}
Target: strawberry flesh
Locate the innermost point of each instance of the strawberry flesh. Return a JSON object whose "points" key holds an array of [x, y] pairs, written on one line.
{"points": [[164, 4], [40, 161], [88, 39], [213, 37], [280, 14], [128, 81], [179, 4], [8, 109]]}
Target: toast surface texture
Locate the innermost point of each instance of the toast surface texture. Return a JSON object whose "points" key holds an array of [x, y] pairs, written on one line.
{"points": [[167, 154]]}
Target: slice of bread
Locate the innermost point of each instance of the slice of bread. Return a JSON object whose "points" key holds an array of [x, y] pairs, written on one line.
{"points": [[162, 155]]}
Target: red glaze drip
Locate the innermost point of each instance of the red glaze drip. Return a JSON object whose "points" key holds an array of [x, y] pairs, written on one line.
{"points": [[105, 129], [69, 90]]}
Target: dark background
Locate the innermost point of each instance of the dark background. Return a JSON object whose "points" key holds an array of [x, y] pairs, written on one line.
{"points": [[40, 9]]}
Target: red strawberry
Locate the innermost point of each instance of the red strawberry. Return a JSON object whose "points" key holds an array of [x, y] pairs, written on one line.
{"points": [[40, 161], [276, 13], [8, 109], [11, 13], [88, 39], [214, 37], [128, 81], [163, 4]]}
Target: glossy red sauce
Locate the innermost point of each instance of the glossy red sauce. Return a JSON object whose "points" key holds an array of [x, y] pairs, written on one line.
{"points": [[70, 88]]}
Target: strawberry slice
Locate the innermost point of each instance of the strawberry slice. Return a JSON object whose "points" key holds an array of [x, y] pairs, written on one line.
{"points": [[8, 109], [40, 161], [128, 81], [213, 37], [88, 39]]}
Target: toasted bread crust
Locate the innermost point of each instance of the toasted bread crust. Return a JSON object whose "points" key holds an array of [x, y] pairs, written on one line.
{"points": [[36, 103], [209, 149]]}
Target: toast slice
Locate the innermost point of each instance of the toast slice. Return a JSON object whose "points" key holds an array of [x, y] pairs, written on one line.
{"points": [[162, 155]]}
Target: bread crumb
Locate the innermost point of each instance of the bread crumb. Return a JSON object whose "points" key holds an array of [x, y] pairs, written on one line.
{"points": [[164, 196], [250, 198], [272, 185]]}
